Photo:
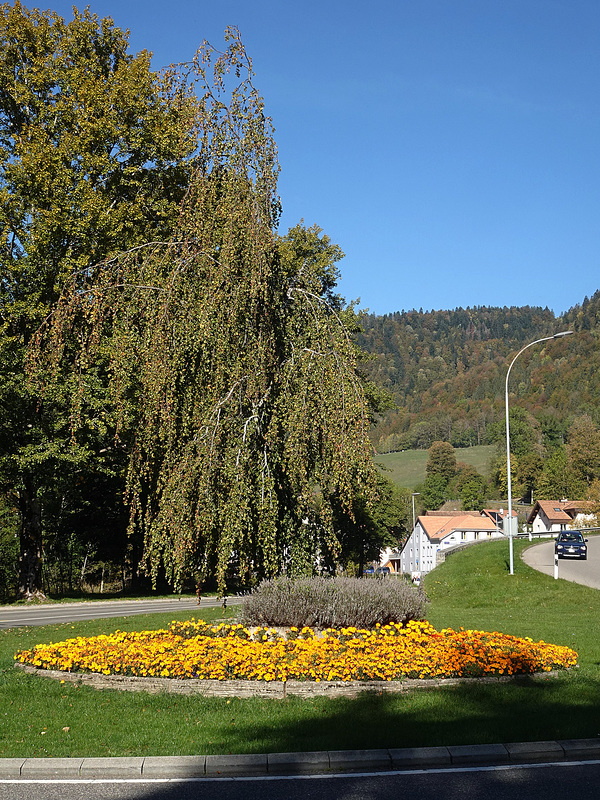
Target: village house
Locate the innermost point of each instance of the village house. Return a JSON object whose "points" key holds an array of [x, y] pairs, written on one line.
{"points": [[550, 516], [436, 532]]}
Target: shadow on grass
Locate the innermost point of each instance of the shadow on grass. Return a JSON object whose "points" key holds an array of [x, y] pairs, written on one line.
{"points": [[528, 710]]}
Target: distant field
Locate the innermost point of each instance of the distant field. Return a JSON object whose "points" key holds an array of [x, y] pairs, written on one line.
{"points": [[407, 468]]}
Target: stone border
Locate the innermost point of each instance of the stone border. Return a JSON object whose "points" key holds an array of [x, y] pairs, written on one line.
{"points": [[274, 689]]}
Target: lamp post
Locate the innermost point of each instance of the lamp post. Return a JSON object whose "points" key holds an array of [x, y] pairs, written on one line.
{"points": [[414, 494], [508, 475]]}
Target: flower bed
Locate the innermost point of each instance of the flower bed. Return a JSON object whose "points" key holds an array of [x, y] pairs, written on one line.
{"points": [[196, 650]]}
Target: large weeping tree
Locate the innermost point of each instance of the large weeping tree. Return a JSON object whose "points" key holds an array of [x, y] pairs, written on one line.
{"points": [[231, 360]]}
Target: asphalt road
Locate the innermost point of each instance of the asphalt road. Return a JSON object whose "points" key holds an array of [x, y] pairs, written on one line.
{"points": [[541, 557], [534, 782], [54, 614]]}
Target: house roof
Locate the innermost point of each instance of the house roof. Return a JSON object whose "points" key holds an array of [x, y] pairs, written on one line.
{"points": [[578, 506], [559, 510], [450, 513], [438, 527], [497, 513]]}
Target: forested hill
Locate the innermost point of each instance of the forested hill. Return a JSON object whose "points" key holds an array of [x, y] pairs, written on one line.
{"points": [[446, 371]]}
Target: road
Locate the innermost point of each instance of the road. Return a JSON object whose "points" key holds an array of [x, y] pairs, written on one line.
{"points": [[541, 557], [55, 613], [535, 782]]}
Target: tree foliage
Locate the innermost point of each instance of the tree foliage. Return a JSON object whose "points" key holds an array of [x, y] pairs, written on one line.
{"points": [[231, 360], [583, 449], [446, 372], [93, 159], [433, 491], [554, 481], [441, 461], [372, 526]]}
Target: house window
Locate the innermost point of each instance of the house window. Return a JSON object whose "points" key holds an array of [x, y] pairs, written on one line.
{"points": [[463, 535]]}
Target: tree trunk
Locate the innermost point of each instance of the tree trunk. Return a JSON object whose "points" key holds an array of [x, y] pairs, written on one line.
{"points": [[361, 562], [30, 559], [82, 576]]}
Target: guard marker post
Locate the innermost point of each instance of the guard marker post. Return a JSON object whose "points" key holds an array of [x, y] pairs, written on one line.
{"points": [[555, 566]]}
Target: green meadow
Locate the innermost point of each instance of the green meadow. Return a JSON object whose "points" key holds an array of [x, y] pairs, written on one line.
{"points": [[407, 467]]}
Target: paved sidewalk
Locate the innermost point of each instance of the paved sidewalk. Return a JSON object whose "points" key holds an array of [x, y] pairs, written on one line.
{"points": [[332, 761]]}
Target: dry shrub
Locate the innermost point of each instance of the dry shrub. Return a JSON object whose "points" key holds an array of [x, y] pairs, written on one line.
{"points": [[333, 603]]}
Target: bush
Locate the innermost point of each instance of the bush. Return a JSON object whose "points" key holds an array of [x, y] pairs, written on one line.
{"points": [[333, 603]]}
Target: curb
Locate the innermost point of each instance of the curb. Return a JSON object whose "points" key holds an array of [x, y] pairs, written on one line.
{"points": [[326, 762]]}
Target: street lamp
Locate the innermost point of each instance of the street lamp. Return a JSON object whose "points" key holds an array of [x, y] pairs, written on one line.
{"points": [[414, 494], [508, 475]]}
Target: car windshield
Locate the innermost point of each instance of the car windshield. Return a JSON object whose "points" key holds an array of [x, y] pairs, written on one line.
{"points": [[575, 536]]}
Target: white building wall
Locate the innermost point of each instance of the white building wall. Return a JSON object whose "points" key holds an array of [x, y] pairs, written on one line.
{"points": [[419, 554], [408, 555], [545, 526], [539, 525]]}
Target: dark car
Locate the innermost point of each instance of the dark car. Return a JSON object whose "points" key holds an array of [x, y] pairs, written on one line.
{"points": [[570, 544]]}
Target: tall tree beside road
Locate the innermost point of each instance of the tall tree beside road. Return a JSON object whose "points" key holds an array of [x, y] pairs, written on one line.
{"points": [[440, 470], [231, 359], [554, 481], [93, 153], [583, 449]]}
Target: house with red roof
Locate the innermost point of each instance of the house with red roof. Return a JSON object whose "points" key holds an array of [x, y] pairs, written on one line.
{"points": [[435, 532], [550, 516]]}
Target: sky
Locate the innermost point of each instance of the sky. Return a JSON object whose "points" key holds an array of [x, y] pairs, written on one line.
{"points": [[450, 147]]}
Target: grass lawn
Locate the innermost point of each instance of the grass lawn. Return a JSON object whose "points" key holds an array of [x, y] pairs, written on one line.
{"points": [[473, 589], [407, 468]]}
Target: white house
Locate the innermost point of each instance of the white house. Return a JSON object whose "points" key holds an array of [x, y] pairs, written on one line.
{"points": [[549, 516], [435, 532]]}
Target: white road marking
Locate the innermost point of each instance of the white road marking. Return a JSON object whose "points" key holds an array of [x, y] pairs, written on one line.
{"points": [[329, 776]]}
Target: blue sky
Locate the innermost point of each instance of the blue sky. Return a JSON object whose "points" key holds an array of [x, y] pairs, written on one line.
{"points": [[450, 147]]}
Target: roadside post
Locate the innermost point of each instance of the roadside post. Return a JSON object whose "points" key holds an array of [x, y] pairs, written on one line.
{"points": [[555, 566]]}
